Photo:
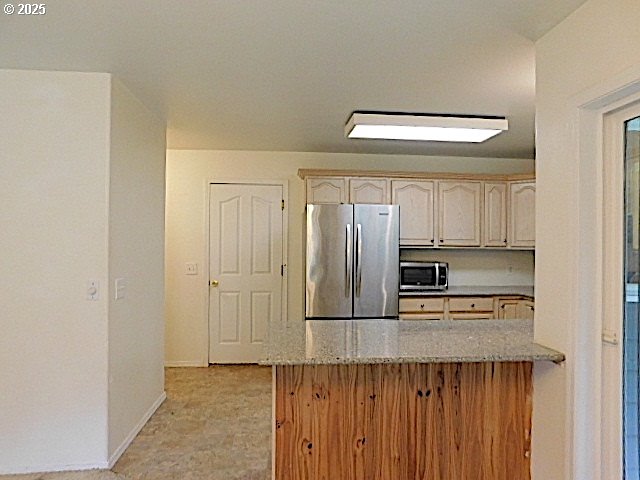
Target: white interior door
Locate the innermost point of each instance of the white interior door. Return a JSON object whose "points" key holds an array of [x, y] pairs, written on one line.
{"points": [[245, 272]]}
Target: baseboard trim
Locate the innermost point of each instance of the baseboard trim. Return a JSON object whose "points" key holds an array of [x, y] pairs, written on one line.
{"points": [[72, 467], [185, 363], [135, 430]]}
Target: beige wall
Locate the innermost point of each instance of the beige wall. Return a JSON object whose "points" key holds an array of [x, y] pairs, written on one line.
{"points": [[188, 172], [82, 190], [590, 48], [136, 254], [53, 346]]}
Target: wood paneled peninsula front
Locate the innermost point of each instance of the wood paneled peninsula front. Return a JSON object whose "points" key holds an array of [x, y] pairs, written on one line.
{"points": [[387, 399]]}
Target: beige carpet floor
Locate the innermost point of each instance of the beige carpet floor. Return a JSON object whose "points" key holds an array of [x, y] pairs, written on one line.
{"points": [[214, 425]]}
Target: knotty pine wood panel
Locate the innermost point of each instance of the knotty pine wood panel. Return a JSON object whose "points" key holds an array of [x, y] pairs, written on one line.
{"points": [[451, 421]]}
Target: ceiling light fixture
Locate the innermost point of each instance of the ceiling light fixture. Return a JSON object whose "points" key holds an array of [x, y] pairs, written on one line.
{"points": [[423, 127]]}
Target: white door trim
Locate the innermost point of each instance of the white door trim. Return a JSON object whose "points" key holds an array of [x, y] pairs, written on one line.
{"points": [[589, 305], [207, 260], [613, 312]]}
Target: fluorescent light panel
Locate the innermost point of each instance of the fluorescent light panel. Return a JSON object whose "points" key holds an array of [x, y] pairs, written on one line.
{"points": [[424, 127]]}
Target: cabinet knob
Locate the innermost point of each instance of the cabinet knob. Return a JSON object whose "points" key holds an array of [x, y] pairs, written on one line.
{"points": [[505, 240], [473, 305], [422, 306]]}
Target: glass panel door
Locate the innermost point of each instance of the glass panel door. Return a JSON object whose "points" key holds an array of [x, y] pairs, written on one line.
{"points": [[631, 300]]}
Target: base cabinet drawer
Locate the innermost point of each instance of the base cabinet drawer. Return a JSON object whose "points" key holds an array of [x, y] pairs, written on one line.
{"points": [[412, 304], [471, 304], [471, 316], [422, 316]]}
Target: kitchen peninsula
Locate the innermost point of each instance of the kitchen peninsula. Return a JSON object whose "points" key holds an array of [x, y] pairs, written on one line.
{"points": [[385, 399]]}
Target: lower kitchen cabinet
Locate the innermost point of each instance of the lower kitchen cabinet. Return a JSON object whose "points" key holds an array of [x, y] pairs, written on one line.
{"points": [[465, 308], [517, 307], [421, 308]]}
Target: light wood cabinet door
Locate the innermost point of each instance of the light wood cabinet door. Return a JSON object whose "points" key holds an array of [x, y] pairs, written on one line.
{"points": [[459, 213], [417, 211], [326, 190], [369, 190], [525, 309], [522, 232], [507, 309], [495, 214]]}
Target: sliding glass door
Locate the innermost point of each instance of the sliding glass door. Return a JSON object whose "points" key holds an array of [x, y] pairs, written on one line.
{"points": [[631, 379]]}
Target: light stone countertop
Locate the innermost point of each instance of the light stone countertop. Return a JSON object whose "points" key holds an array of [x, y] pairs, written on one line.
{"points": [[470, 290], [318, 342]]}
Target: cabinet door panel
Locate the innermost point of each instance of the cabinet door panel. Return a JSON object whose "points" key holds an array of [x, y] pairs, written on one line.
{"points": [[525, 309], [459, 213], [522, 214], [326, 190], [416, 200], [369, 190], [495, 214], [508, 309]]}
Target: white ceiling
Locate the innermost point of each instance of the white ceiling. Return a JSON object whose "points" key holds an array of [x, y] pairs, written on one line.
{"points": [[284, 75]]}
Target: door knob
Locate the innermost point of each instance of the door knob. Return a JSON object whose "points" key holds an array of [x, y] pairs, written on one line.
{"points": [[213, 283]]}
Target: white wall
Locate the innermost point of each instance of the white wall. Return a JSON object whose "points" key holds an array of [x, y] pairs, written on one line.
{"points": [[188, 172], [136, 254], [81, 197], [481, 267], [53, 212], [592, 46]]}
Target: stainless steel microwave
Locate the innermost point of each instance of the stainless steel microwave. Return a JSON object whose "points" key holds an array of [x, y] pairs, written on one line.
{"points": [[420, 276]]}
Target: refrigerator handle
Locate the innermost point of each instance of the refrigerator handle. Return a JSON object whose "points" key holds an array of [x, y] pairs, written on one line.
{"points": [[348, 271], [358, 259]]}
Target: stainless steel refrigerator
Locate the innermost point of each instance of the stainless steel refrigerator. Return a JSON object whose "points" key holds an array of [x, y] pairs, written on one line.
{"points": [[352, 261]]}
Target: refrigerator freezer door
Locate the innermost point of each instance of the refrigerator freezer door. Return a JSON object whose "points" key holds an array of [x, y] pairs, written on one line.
{"points": [[377, 262], [329, 261]]}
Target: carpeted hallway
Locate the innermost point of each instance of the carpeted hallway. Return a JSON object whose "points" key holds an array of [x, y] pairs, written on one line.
{"points": [[214, 425]]}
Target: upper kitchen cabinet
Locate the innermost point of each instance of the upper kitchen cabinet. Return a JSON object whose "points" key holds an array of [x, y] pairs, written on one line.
{"points": [[417, 211], [369, 190], [522, 219], [326, 190], [440, 210], [459, 213], [495, 214]]}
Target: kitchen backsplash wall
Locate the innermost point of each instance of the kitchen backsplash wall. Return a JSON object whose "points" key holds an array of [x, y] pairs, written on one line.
{"points": [[481, 266]]}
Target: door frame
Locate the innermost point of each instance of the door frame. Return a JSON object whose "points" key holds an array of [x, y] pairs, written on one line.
{"points": [[612, 348], [589, 307], [207, 231]]}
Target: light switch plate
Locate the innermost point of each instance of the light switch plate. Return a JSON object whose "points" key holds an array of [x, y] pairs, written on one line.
{"points": [[191, 269], [93, 290], [120, 288]]}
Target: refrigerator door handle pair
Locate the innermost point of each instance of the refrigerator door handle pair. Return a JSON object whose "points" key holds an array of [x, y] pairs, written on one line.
{"points": [[349, 261]]}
